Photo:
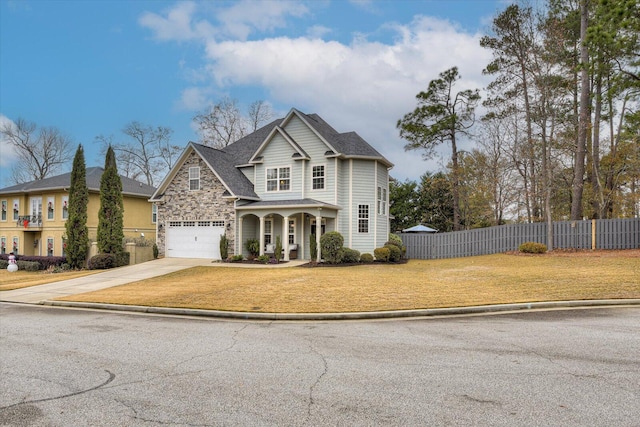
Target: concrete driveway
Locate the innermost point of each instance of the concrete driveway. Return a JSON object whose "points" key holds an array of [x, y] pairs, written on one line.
{"points": [[106, 279]]}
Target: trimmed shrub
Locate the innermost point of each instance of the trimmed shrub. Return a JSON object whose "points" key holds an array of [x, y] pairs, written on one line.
{"points": [[44, 261], [3, 264], [278, 250], [156, 252], [395, 239], [224, 246], [28, 265], [263, 259], [395, 253], [102, 261], [122, 259], [366, 258], [330, 245], [237, 258], [533, 248], [382, 254], [253, 247], [349, 256], [313, 247]]}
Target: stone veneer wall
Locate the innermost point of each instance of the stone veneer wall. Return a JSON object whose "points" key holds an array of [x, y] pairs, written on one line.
{"points": [[204, 204]]}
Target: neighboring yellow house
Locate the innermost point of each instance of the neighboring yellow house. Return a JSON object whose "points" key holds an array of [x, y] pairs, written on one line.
{"points": [[33, 214]]}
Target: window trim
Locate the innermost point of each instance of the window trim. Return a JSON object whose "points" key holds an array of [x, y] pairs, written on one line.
{"points": [[154, 213], [278, 179], [51, 213], [270, 233], [382, 201], [5, 208], [16, 209], [193, 179], [50, 241], [363, 219], [323, 177], [64, 213], [291, 236]]}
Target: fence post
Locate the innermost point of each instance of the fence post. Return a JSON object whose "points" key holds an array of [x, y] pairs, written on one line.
{"points": [[593, 234]]}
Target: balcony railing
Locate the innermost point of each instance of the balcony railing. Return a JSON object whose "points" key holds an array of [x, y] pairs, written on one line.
{"points": [[30, 221]]}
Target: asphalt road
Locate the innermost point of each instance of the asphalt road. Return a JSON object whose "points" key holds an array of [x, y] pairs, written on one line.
{"points": [[63, 367]]}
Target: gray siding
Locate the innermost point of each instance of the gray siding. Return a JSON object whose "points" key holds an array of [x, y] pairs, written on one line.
{"points": [[364, 190], [275, 155]]}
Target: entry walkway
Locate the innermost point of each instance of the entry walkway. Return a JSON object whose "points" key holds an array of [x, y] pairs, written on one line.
{"points": [[115, 277]]}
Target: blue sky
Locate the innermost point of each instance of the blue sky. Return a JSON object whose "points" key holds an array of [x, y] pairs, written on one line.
{"points": [[90, 67]]}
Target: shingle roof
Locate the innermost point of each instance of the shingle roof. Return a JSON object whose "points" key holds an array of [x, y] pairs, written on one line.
{"points": [[93, 175], [224, 164], [348, 144], [225, 161]]}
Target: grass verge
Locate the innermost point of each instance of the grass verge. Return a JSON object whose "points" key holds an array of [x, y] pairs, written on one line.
{"points": [[492, 279], [24, 279]]}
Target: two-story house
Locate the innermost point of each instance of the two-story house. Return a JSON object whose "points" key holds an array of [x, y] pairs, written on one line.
{"points": [[292, 178], [33, 214]]}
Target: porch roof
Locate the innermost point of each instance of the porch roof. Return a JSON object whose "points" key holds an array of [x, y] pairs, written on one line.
{"points": [[280, 204]]}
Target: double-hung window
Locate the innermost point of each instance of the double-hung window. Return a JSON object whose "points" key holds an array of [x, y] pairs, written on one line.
{"points": [[268, 231], [194, 178], [154, 213], [279, 179], [317, 175], [363, 218], [382, 201]]}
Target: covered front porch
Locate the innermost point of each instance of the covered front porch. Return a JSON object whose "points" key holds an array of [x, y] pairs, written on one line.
{"points": [[292, 221]]}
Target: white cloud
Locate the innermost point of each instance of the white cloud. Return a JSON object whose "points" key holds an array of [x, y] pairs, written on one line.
{"points": [[318, 31], [194, 99], [246, 16], [7, 150], [178, 25], [364, 86]]}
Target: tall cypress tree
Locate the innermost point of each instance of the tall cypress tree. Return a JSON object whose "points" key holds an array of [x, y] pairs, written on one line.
{"points": [[110, 223], [76, 226]]}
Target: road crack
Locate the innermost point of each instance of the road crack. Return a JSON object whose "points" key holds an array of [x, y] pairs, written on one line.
{"points": [[112, 376]]}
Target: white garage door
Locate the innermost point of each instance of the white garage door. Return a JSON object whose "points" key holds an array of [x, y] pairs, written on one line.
{"points": [[194, 239]]}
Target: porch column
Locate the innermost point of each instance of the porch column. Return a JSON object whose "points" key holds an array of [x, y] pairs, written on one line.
{"points": [[318, 233], [285, 237], [261, 235], [239, 238]]}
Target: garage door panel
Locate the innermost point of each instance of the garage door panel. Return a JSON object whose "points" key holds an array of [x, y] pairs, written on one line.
{"points": [[194, 239]]}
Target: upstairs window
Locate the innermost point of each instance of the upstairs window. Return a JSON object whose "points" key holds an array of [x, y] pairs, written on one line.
{"points": [[279, 179], [4, 211], [317, 175], [194, 178], [65, 207], [363, 218], [154, 213], [382, 201]]}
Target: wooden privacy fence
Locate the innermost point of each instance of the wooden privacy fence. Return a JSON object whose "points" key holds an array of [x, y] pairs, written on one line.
{"points": [[589, 234]]}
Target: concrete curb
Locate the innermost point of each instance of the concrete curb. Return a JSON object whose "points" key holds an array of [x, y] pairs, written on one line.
{"points": [[483, 309]]}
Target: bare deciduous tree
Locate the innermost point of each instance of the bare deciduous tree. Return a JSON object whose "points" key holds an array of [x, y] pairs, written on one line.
{"points": [[41, 151], [259, 113], [223, 123], [148, 154]]}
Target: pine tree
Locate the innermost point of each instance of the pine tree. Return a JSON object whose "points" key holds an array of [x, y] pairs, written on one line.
{"points": [[76, 225], [110, 222]]}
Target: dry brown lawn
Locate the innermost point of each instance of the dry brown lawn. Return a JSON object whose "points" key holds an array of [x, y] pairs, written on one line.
{"points": [[492, 279], [23, 279]]}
